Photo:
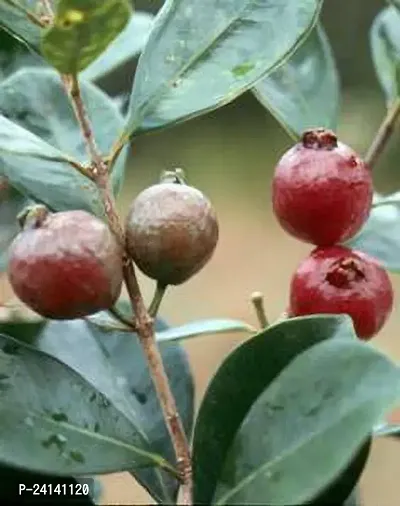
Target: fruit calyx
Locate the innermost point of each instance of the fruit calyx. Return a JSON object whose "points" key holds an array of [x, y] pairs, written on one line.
{"points": [[176, 176], [32, 216], [319, 138], [344, 272]]}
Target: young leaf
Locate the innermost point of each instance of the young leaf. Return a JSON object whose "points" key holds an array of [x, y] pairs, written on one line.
{"points": [[241, 378], [53, 421], [82, 31], [129, 44], [380, 236], [202, 54], [304, 92], [324, 403], [385, 48], [35, 99], [114, 364], [14, 20]]}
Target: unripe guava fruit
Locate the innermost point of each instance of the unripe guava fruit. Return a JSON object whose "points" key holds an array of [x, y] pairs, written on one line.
{"points": [[321, 190], [65, 265], [171, 232], [338, 280]]}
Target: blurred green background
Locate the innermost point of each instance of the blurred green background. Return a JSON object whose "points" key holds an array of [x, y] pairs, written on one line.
{"points": [[230, 155]]}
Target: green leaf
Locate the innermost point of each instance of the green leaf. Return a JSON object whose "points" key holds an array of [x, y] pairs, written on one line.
{"points": [[23, 330], [304, 92], [35, 100], [203, 327], [126, 355], [380, 236], [82, 31], [241, 378], [385, 48], [53, 421], [114, 364], [203, 54], [14, 20], [129, 44], [11, 203], [342, 488], [319, 410]]}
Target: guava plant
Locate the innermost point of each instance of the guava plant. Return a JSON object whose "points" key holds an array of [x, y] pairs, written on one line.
{"points": [[97, 382]]}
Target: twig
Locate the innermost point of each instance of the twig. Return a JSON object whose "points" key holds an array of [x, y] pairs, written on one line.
{"points": [[144, 322], [384, 133], [47, 7], [157, 299], [257, 299]]}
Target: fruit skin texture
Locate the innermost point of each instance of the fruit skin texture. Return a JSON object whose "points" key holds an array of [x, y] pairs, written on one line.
{"points": [[321, 191], [338, 280], [171, 232], [65, 265]]}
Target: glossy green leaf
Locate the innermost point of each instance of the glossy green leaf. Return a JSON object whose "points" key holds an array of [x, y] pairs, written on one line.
{"points": [[36, 101], [53, 421], [11, 202], [114, 364], [241, 378], [385, 48], [304, 92], [129, 44], [319, 410], [14, 20], [82, 30], [126, 355], [202, 54], [380, 236], [341, 490]]}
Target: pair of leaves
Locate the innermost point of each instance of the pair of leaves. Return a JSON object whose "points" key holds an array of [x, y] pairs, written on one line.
{"points": [[380, 236], [38, 128], [88, 404], [297, 392], [385, 48]]}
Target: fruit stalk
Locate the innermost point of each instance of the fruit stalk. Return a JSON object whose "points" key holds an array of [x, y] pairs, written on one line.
{"points": [[383, 134], [144, 323]]}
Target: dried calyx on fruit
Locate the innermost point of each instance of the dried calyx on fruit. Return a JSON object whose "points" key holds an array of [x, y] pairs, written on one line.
{"points": [[171, 230], [321, 191], [65, 265], [338, 280]]}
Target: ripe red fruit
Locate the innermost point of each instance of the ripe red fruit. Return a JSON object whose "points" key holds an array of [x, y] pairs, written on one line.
{"points": [[322, 190], [65, 265], [171, 231], [338, 280]]}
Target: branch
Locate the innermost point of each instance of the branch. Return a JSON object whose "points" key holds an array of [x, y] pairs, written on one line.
{"points": [[383, 135], [144, 322]]}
